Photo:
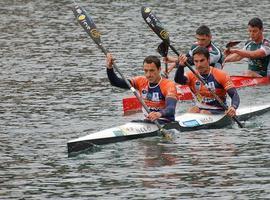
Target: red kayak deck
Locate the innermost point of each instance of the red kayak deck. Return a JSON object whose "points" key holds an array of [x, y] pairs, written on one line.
{"points": [[131, 104]]}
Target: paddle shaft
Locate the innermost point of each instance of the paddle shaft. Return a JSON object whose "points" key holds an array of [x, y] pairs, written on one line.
{"points": [[90, 28]]}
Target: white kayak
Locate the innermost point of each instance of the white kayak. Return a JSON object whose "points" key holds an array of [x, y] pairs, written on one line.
{"points": [[141, 129]]}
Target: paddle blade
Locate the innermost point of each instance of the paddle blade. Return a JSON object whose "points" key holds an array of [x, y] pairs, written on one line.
{"points": [[154, 23], [166, 134], [169, 134], [163, 49], [87, 23], [232, 44]]}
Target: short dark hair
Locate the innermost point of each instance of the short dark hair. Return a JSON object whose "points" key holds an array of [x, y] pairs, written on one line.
{"points": [[256, 22], [152, 59], [203, 30], [201, 50]]}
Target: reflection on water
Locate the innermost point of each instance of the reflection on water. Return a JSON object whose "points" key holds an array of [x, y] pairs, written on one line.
{"points": [[54, 88]]}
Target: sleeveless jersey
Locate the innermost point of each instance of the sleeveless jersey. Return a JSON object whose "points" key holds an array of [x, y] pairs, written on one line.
{"points": [[154, 97], [217, 80], [259, 65], [216, 56]]}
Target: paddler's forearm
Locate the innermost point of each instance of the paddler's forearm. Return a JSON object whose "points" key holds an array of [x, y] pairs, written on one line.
{"points": [[170, 107], [232, 58], [249, 54], [235, 97], [116, 81], [179, 75]]}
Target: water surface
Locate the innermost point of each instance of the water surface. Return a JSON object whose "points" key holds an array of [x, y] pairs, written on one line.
{"points": [[54, 88]]}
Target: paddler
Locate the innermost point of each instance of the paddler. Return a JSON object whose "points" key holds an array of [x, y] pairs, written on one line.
{"points": [[257, 50], [217, 80], [203, 39], [158, 93]]}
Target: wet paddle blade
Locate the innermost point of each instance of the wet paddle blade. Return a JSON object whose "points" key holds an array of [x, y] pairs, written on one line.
{"points": [[154, 23], [163, 49], [232, 44], [169, 134], [87, 23]]}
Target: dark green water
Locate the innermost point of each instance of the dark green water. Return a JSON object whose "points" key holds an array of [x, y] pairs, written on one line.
{"points": [[54, 88]]}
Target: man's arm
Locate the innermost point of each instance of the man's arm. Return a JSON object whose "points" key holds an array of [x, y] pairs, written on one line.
{"points": [[234, 103], [259, 53], [234, 96], [168, 112], [115, 80], [170, 107], [239, 54], [179, 76], [232, 58]]}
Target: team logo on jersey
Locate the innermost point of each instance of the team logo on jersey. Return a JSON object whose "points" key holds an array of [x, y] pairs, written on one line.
{"points": [[144, 94], [155, 96], [211, 85], [197, 85]]}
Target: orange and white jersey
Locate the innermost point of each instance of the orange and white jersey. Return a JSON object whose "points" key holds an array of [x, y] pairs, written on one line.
{"points": [[217, 80], [154, 96]]}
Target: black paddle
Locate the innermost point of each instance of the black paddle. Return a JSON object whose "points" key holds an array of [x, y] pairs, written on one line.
{"points": [[232, 44], [154, 23], [163, 51], [89, 26]]}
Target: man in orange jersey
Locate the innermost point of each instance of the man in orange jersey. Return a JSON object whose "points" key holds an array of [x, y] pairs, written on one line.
{"points": [[217, 80], [158, 93]]}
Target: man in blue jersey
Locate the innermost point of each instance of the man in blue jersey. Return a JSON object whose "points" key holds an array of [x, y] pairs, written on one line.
{"points": [[257, 50], [203, 39]]}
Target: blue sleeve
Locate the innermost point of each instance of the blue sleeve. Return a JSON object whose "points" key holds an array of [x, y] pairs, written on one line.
{"points": [[116, 81], [179, 75], [234, 96], [169, 111]]}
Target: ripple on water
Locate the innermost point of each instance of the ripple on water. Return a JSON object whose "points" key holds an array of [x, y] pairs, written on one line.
{"points": [[54, 88]]}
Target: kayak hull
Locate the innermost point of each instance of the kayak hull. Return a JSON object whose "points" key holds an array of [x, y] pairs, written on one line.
{"points": [[142, 129]]}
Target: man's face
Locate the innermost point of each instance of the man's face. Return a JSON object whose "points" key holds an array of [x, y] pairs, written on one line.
{"points": [[203, 40], [201, 63], [151, 72], [255, 33]]}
